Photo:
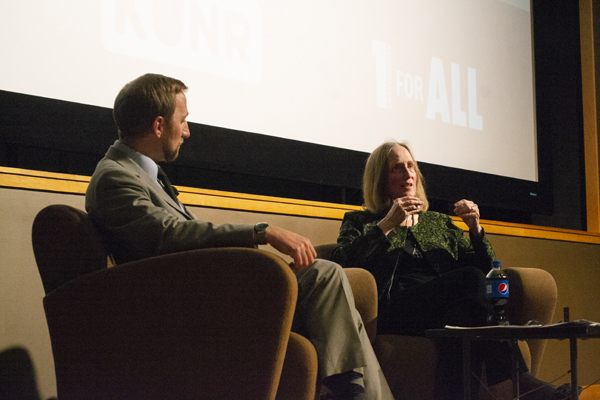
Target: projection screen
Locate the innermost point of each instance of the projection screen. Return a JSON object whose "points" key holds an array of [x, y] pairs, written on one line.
{"points": [[454, 77]]}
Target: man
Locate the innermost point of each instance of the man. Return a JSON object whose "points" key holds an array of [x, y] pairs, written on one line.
{"points": [[133, 205]]}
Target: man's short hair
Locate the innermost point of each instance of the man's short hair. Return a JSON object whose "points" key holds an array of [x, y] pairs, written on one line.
{"points": [[144, 99]]}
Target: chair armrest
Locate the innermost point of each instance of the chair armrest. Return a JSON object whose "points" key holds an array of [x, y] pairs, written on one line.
{"points": [[533, 296], [204, 321], [299, 375]]}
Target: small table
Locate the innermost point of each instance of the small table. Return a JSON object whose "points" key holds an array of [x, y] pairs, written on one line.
{"points": [[574, 330]]}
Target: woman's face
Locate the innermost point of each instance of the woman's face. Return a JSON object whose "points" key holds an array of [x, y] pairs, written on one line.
{"points": [[402, 176]]}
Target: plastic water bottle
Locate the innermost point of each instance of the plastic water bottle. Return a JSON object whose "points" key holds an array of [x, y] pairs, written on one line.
{"points": [[496, 291]]}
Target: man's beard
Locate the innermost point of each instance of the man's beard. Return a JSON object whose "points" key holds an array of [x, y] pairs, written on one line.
{"points": [[169, 153]]}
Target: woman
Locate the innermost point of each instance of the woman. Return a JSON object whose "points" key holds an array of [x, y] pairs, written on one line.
{"points": [[428, 274]]}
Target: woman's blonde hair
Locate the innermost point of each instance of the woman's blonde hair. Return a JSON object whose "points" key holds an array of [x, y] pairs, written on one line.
{"points": [[375, 178]]}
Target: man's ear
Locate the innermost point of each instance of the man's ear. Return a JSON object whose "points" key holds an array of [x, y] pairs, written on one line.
{"points": [[158, 127]]}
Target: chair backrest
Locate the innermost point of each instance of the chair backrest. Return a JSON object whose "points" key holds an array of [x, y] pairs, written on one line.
{"points": [[324, 250], [66, 245], [364, 289]]}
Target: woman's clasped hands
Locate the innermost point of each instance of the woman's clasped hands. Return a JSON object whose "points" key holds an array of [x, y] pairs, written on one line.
{"points": [[469, 213], [404, 211]]}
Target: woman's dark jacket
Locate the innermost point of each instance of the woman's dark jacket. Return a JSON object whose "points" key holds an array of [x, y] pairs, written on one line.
{"points": [[442, 244]]}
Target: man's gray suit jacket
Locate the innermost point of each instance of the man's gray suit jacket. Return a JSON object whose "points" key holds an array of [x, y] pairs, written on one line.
{"points": [[138, 219]]}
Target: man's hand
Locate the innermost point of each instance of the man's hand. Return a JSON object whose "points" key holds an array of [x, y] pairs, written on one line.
{"points": [[296, 246]]}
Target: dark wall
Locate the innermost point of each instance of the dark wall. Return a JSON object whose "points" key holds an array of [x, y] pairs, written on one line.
{"points": [[559, 108], [52, 135]]}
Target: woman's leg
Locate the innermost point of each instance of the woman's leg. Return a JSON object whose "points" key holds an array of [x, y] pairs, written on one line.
{"points": [[456, 298]]}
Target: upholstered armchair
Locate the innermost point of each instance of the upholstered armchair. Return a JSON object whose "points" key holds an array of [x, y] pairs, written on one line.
{"points": [[213, 323], [409, 362], [210, 324]]}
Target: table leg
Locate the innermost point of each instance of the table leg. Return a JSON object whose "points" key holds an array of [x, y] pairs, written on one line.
{"points": [[514, 350], [574, 384], [466, 343]]}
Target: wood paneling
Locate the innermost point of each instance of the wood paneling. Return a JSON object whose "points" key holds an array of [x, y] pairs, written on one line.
{"points": [[76, 184]]}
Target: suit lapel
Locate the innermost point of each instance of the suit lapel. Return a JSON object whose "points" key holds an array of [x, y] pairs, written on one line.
{"points": [[126, 162]]}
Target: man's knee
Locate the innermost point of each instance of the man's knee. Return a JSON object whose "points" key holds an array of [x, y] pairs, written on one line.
{"points": [[321, 273], [327, 267], [321, 269]]}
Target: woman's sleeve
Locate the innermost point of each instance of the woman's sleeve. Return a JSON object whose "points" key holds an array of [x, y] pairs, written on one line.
{"points": [[360, 242], [475, 252]]}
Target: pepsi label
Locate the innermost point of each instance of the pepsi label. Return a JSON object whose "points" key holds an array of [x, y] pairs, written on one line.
{"points": [[497, 288]]}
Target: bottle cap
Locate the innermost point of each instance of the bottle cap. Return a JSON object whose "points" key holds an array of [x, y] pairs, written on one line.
{"points": [[496, 264]]}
